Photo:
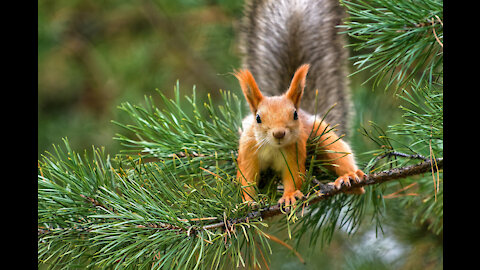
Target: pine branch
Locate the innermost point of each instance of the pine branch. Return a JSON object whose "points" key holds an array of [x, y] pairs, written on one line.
{"points": [[403, 38], [326, 191], [178, 201], [398, 154]]}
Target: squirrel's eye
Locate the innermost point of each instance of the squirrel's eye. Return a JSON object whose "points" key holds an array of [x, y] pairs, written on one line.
{"points": [[295, 116], [258, 119]]}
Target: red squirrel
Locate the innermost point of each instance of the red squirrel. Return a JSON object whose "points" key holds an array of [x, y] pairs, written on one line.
{"points": [[277, 125]]}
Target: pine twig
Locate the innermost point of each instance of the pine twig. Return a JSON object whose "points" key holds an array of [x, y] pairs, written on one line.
{"points": [[435, 34], [398, 154], [277, 240], [396, 193]]}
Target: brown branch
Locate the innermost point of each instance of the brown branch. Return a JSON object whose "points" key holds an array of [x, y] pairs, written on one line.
{"points": [[327, 191], [96, 203]]}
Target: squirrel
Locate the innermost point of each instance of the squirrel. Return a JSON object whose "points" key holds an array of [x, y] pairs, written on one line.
{"points": [[282, 41], [277, 36]]}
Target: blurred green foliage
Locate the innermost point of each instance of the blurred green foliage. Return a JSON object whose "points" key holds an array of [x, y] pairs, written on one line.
{"points": [[94, 55]]}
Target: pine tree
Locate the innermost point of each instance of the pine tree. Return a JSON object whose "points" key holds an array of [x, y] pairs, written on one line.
{"points": [[170, 199]]}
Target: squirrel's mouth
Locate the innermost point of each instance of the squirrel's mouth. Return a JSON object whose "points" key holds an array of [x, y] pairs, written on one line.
{"points": [[279, 142], [276, 143]]}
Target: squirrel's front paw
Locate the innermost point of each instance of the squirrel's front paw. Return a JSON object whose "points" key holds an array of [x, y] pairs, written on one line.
{"points": [[356, 177], [289, 197]]}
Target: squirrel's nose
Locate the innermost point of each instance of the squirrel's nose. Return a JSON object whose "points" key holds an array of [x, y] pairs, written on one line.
{"points": [[278, 134]]}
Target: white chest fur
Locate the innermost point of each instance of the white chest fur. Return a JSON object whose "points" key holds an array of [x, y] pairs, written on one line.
{"points": [[271, 157], [268, 156]]}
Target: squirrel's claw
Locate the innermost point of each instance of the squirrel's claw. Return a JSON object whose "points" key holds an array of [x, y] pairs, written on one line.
{"points": [[357, 177], [289, 197]]}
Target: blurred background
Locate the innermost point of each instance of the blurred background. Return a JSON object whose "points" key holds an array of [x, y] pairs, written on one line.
{"points": [[93, 55]]}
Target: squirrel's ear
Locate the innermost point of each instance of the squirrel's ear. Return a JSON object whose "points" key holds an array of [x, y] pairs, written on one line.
{"points": [[295, 91], [249, 88]]}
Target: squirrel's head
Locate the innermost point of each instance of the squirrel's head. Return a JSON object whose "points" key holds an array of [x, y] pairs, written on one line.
{"points": [[276, 119]]}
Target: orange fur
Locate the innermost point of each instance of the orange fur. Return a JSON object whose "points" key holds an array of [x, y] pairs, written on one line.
{"points": [[346, 167], [272, 129], [249, 88], [295, 91]]}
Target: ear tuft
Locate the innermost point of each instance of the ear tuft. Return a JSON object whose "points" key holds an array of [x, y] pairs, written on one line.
{"points": [[295, 91], [249, 88]]}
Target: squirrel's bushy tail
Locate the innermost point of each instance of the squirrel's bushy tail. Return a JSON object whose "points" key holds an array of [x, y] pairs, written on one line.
{"points": [[277, 36]]}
